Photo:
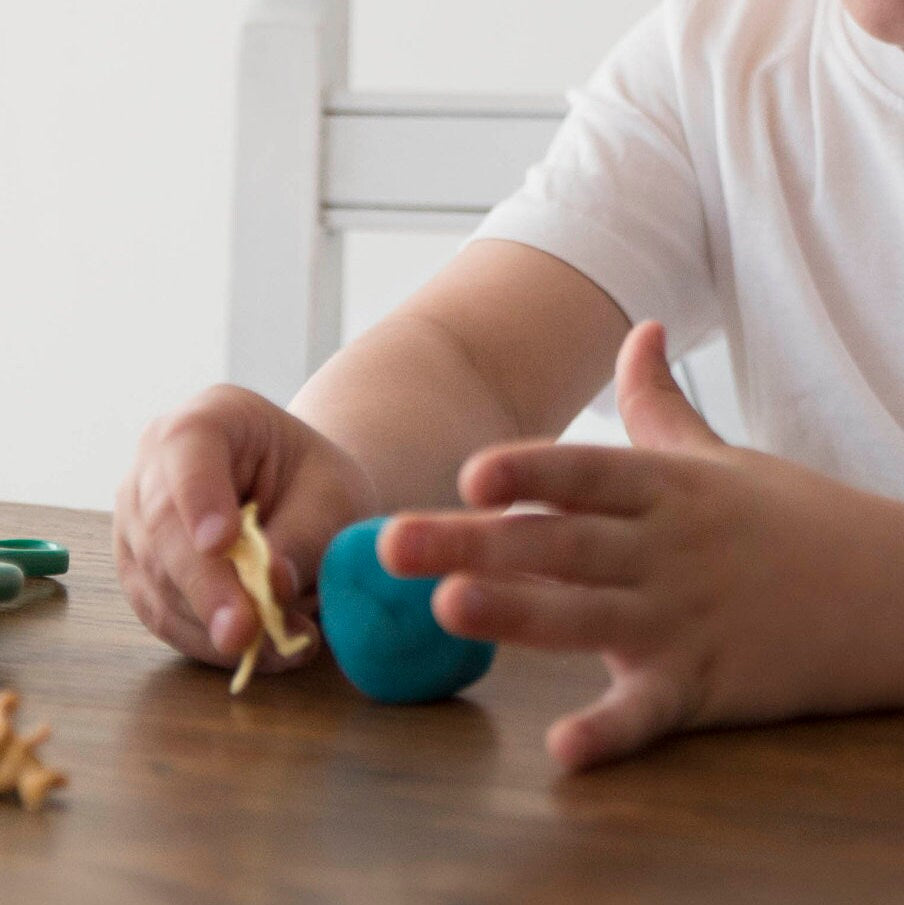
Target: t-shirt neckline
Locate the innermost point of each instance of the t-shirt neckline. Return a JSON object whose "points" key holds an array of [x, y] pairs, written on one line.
{"points": [[879, 62]]}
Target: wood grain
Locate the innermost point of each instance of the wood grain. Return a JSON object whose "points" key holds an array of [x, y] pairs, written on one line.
{"points": [[303, 791]]}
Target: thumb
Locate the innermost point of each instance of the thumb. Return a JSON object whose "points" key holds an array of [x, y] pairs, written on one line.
{"points": [[629, 716], [322, 494], [655, 411]]}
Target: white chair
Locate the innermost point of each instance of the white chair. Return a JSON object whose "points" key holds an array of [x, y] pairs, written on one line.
{"points": [[314, 159]]}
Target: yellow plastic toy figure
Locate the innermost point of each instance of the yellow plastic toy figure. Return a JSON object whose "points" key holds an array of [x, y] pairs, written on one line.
{"points": [[20, 768]]}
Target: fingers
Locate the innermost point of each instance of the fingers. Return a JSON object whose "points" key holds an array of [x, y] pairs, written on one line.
{"points": [[175, 515], [208, 585], [654, 409], [576, 478], [158, 606], [542, 614], [198, 453], [178, 513], [219, 640], [579, 548], [197, 472], [226, 446], [178, 586], [631, 715]]}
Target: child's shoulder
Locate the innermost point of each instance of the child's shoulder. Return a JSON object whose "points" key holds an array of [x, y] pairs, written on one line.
{"points": [[754, 24], [701, 43], [740, 10]]}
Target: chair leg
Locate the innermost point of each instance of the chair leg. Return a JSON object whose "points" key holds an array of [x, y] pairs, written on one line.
{"points": [[284, 309]]}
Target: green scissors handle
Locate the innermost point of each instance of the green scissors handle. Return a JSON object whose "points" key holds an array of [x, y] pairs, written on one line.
{"points": [[11, 581], [28, 557], [35, 558]]}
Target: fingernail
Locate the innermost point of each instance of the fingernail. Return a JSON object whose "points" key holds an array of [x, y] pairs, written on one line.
{"points": [[407, 546], [210, 532], [473, 602], [414, 547], [221, 628], [466, 472]]}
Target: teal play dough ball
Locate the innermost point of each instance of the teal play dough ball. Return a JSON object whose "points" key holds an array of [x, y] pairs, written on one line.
{"points": [[381, 629]]}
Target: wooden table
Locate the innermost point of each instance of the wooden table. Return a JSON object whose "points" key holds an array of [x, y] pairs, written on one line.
{"points": [[303, 791]]}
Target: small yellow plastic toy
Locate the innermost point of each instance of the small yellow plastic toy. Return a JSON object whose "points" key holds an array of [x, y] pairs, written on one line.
{"points": [[20, 768], [251, 556]]}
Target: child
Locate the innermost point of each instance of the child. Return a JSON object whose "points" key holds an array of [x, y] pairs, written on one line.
{"points": [[735, 164]]}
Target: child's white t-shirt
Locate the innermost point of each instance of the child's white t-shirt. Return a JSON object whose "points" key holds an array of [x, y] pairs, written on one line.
{"points": [[739, 164]]}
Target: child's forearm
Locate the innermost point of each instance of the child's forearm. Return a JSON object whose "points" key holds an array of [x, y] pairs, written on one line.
{"points": [[506, 342], [408, 405]]}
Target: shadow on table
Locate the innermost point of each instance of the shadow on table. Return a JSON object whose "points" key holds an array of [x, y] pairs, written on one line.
{"points": [[316, 708], [40, 596]]}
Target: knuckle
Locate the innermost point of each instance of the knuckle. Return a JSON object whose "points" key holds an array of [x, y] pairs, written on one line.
{"points": [[218, 411], [151, 434], [161, 622], [216, 406], [182, 424], [224, 394], [123, 501], [149, 610], [140, 563], [155, 510], [140, 603], [205, 411], [154, 502], [149, 565]]}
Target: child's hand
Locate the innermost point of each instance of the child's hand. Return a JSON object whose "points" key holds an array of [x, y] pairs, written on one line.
{"points": [[178, 512], [721, 586]]}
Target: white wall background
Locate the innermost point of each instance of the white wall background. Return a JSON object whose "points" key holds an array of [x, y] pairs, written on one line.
{"points": [[116, 121]]}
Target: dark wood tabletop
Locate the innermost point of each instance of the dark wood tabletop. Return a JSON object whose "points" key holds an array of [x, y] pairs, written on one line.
{"points": [[301, 790]]}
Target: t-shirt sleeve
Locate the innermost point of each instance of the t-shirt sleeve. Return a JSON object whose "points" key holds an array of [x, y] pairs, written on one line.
{"points": [[617, 197]]}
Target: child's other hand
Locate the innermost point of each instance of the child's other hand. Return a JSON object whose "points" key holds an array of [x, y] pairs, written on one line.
{"points": [[722, 586], [178, 512]]}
